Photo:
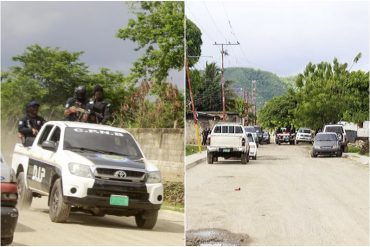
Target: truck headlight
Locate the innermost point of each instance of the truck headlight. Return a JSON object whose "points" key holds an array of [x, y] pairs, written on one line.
{"points": [[80, 170], [154, 177], [316, 147]]}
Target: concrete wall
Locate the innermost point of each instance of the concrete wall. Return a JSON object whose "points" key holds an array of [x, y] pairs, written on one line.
{"points": [[164, 148]]}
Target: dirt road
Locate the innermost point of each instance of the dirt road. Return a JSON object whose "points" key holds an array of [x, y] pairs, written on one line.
{"points": [[35, 228], [285, 198]]}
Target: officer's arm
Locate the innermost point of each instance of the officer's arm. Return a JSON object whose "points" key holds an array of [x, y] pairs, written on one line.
{"points": [[23, 128], [68, 108], [107, 114]]}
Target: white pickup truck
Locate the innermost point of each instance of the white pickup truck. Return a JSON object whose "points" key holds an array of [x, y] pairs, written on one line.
{"points": [[88, 167], [228, 140]]}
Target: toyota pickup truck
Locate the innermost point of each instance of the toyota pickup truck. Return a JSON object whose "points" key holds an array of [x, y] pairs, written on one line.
{"points": [[228, 140], [91, 168]]}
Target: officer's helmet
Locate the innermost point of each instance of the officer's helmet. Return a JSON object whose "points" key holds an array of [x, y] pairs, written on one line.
{"points": [[80, 92], [33, 103]]}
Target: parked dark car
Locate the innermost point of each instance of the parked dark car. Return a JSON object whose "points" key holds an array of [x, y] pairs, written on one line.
{"points": [[266, 137], [9, 196], [259, 132], [326, 143]]}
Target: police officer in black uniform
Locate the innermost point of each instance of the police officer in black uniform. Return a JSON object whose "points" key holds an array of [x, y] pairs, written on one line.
{"points": [[30, 124], [75, 106], [98, 108]]}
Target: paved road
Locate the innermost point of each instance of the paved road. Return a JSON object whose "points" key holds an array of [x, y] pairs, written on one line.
{"points": [[35, 228], [285, 198]]}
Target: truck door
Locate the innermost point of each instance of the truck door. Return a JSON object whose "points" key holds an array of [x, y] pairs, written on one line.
{"points": [[40, 165]]}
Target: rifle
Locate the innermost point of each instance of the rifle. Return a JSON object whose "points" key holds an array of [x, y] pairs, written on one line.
{"points": [[87, 113]]}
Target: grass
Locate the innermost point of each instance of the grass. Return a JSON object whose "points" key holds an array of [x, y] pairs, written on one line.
{"points": [[169, 206], [353, 149], [173, 196], [192, 149]]}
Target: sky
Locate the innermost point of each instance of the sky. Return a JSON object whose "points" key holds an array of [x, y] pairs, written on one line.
{"points": [[74, 26], [282, 36]]}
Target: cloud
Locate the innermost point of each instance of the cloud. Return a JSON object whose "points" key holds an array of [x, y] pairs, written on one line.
{"points": [[25, 23]]}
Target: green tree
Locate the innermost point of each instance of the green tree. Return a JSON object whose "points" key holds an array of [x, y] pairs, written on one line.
{"points": [[279, 111], [46, 74], [159, 30], [207, 89]]}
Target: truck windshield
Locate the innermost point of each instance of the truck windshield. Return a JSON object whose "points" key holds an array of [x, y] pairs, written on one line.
{"points": [[103, 141]]}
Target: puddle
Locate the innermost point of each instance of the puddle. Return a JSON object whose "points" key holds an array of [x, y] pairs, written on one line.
{"points": [[215, 237]]}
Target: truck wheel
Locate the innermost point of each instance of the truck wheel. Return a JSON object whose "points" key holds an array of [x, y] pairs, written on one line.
{"points": [[339, 154], [215, 159], [58, 210], [255, 157], [278, 143], [209, 158], [244, 158], [6, 241], [25, 195], [313, 155], [146, 220]]}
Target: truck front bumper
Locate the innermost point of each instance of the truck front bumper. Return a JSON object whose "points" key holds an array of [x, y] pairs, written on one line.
{"points": [[141, 196]]}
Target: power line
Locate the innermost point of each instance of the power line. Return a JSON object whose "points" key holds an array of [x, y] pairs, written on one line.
{"points": [[213, 20]]}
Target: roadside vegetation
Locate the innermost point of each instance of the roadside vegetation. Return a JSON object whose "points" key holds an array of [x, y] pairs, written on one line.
{"points": [[324, 93], [173, 196], [192, 149]]}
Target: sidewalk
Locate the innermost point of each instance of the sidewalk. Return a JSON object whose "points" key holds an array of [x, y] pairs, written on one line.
{"points": [[195, 159], [357, 157]]}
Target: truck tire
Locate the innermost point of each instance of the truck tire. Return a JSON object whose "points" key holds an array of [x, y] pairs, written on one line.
{"points": [[58, 209], [146, 220], [210, 158], [6, 241], [339, 154], [25, 195], [244, 158]]}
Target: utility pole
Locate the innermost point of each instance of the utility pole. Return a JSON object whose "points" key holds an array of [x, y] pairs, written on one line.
{"points": [[222, 75], [254, 101], [193, 106]]}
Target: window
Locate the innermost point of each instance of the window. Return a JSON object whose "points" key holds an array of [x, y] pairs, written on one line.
{"points": [[231, 129], [225, 129], [238, 129], [45, 134], [217, 129], [55, 137]]}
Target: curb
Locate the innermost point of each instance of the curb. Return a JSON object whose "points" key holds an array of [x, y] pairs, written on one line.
{"points": [[194, 163], [356, 158]]}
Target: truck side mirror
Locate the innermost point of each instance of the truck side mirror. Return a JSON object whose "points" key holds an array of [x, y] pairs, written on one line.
{"points": [[49, 145]]}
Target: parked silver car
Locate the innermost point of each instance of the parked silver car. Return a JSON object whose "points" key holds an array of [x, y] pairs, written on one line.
{"points": [[326, 143]]}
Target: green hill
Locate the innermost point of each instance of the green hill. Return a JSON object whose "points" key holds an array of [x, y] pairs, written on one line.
{"points": [[269, 85]]}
